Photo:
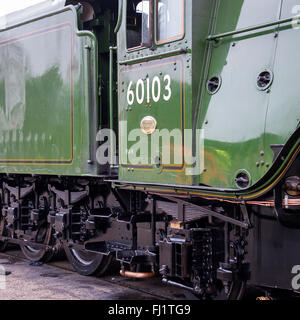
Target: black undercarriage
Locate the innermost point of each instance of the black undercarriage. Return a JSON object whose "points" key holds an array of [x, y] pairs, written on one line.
{"points": [[199, 245]]}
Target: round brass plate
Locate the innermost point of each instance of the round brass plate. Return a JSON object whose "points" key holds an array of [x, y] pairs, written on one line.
{"points": [[148, 125]]}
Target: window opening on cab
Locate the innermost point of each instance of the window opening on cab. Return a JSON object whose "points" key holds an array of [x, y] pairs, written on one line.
{"points": [[138, 24], [170, 20]]}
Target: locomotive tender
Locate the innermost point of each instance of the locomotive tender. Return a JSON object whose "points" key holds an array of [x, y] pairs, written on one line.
{"points": [[200, 185]]}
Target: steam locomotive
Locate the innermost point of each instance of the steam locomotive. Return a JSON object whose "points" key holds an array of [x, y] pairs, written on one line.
{"points": [[162, 135]]}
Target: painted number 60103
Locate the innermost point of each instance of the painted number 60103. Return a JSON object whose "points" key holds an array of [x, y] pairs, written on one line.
{"points": [[149, 90]]}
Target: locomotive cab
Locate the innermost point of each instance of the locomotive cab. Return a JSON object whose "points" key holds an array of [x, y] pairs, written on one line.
{"points": [[155, 66], [182, 91]]}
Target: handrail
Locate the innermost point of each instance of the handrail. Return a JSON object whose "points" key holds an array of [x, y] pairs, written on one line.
{"points": [[120, 15], [111, 110], [257, 27], [87, 85]]}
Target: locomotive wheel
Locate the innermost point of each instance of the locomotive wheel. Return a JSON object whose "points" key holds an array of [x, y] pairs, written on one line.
{"points": [[39, 255], [237, 290], [88, 263], [36, 255]]}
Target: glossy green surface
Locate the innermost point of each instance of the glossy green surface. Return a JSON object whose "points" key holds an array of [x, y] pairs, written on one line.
{"points": [[49, 110], [240, 121], [283, 114], [234, 117], [171, 114], [44, 111]]}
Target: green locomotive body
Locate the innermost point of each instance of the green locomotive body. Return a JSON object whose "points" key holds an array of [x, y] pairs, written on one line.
{"points": [[245, 121], [202, 105], [49, 99]]}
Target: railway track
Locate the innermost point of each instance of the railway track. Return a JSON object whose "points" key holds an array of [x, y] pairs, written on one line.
{"points": [[115, 287], [110, 287]]}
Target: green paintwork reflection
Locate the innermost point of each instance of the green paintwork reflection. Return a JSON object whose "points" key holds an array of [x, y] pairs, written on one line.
{"points": [[244, 121], [43, 115], [167, 113], [240, 121], [234, 118]]}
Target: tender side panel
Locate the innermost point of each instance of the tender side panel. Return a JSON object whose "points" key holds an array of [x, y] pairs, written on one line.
{"points": [[43, 111]]}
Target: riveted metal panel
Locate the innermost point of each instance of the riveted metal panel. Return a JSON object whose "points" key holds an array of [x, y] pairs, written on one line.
{"points": [[234, 118]]}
